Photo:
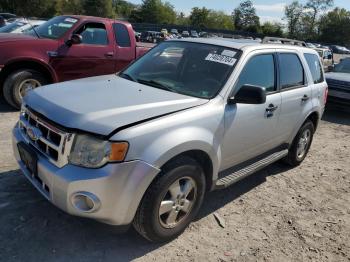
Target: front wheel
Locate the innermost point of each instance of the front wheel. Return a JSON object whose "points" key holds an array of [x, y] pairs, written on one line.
{"points": [[172, 201], [301, 144], [19, 83]]}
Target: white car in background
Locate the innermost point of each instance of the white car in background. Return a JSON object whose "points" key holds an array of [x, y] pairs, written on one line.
{"points": [[20, 26]]}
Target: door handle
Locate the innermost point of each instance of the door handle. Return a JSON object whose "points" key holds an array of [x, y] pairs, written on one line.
{"points": [[305, 98], [109, 54], [271, 108]]}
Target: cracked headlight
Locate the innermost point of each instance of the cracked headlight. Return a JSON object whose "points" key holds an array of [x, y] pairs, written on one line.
{"points": [[91, 152]]}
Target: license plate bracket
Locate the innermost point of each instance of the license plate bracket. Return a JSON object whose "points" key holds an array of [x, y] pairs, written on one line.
{"points": [[29, 157]]}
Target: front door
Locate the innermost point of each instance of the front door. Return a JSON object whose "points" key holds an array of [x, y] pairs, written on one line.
{"points": [[250, 130], [93, 56]]}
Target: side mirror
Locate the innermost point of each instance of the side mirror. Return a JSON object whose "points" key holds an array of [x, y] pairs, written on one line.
{"points": [[330, 56], [75, 39], [249, 94]]}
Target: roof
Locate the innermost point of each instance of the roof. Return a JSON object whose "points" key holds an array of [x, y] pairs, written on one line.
{"points": [[240, 43], [85, 17]]}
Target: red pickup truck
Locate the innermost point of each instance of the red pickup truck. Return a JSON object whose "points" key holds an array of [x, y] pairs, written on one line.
{"points": [[64, 48]]}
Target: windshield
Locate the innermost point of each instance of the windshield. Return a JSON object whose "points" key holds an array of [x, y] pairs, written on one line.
{"points": [[54, 28], [193, 69], [343, 66], [11, 27]]}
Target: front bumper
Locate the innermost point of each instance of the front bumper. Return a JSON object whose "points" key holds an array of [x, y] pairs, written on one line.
{"points": [[119, 188]]}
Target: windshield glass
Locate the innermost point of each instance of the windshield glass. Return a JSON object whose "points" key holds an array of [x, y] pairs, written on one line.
{"points": [[193, 69], [11, 27], [54, 28], [343, 66]]}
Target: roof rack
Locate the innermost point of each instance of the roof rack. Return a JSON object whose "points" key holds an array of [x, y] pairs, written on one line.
{"points": [[284, 41]]}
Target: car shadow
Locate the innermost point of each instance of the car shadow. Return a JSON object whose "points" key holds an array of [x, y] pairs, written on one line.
{"points": [[5, 107], [36, 230], [336, 115]]}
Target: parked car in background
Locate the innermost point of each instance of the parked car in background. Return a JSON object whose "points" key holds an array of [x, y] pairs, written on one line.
{"points": [[188, 117], [185, 34], [339, 83], [21, 25], [174, 31], [326, 56], [150, 36], [164, 31], [64, 48], [339, 49], [194, 34], [8, 16]]}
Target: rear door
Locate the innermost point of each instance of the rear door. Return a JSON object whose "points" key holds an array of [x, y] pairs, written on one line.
{"points": [[94, 56], [125, 46], [295, 91], [250, 130]]}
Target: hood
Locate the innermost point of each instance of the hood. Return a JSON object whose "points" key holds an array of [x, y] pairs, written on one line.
{"points": [[10, 37], [104, 103], [338, 76]]}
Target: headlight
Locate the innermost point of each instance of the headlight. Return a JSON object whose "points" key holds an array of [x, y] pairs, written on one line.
{"points": [[88, 151]]}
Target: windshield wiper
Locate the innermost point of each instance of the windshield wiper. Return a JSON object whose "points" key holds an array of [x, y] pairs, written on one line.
{"points": [[127, 76], [155, 84]]}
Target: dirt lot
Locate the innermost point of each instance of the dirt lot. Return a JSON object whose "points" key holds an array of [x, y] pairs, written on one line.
{"points": [[278, 214]]}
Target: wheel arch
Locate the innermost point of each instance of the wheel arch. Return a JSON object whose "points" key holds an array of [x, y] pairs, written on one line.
{"points": [[27, 63]]}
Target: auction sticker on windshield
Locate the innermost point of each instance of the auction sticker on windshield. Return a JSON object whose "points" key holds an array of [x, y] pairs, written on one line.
{"points": [[222, 59]]}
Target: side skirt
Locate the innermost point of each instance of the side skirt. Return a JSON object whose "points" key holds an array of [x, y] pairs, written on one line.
{"points": [[249, 169]]}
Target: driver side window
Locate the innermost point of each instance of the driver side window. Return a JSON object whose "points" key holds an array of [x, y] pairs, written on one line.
{"points": [[259, 71], [93, 34]]}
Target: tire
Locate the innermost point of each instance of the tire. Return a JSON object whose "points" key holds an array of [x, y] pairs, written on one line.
{"points": [[14, 84], [294, 158], [148, 221]]}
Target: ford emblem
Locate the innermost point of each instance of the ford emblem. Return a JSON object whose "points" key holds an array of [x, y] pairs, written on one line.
{"points": [[34, 133]]}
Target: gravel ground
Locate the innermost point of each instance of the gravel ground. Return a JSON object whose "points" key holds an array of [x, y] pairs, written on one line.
{"points": [[278, 214]]}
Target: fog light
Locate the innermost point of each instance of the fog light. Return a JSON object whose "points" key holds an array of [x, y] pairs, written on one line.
{"points": [[85, 202]]}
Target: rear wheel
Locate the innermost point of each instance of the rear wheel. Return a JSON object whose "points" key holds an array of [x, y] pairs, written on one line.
{"points": [[19, 83], [301, 144], [172, 201]]}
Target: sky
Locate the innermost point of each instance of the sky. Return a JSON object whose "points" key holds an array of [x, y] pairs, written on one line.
{"points": [[267, 10]]}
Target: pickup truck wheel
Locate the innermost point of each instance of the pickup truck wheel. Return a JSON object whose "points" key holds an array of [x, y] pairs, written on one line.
{"points": [[172, 201], [301, 144], [19, 83]]}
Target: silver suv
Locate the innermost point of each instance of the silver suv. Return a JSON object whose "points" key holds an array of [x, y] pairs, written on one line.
{"points": [[145, 145]]}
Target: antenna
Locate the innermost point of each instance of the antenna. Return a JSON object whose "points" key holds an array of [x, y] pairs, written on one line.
{"points": [[33, 28]]}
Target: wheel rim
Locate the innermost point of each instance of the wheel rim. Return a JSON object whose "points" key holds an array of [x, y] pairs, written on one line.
{"points": [[27, 85], [303, 143], [177, 202]]}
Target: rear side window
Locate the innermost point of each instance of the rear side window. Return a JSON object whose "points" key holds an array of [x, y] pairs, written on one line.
{"points": [[291, 71], [315, 67], [259, 71], [122, 35]]}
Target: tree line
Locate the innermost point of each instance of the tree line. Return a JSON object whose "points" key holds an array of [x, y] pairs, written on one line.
{"points": [[311, 21]]}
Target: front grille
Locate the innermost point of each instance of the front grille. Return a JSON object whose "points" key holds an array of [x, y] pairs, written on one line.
{"points": [[338, 85], [49, 140]]}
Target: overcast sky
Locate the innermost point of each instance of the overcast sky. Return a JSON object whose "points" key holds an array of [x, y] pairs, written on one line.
{"points": [[268, 10]]}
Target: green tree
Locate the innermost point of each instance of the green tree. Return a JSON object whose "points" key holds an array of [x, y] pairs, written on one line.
{"points": [[245, 18], [154, 11], [199, 17], [29, 8], [335, 27], [69, 7], [315, 7], [123, 8], [219, 20], [293, 14], [272, 29], [101, 8]]}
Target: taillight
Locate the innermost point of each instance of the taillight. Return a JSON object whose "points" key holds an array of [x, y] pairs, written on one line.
{"points": [[325, 95]]}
